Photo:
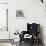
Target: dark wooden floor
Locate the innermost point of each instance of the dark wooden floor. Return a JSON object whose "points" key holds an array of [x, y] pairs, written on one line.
{"points": [[29, 44]]}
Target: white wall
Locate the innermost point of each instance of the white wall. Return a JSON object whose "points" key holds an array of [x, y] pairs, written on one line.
{"points": [[35, 12]]}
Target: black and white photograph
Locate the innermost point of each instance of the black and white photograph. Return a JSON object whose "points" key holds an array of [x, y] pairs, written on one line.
{"points": [[21, 13], [22, 22]]}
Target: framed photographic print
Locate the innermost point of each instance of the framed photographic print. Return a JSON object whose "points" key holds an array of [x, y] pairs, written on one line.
{"points": [[20, 13]]}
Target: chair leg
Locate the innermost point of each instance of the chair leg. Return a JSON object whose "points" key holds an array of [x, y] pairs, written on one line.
{"points": [[20, 42]]}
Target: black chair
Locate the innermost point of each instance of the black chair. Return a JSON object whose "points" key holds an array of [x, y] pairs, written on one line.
{"points": [[32, 29]]}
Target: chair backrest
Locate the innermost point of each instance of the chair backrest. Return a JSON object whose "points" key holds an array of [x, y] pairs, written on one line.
{"points": [[33, 28]]}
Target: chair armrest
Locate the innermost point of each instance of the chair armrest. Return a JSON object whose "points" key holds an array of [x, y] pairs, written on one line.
{"points": [[24, 32], [22, 35]]}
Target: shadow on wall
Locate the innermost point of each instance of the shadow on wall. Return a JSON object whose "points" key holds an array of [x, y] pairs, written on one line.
{"points": [[41, 34]]}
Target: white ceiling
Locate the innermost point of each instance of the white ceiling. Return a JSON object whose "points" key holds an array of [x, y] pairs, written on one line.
{"points": [[3, 1], [6, 1], [44, 0]]}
